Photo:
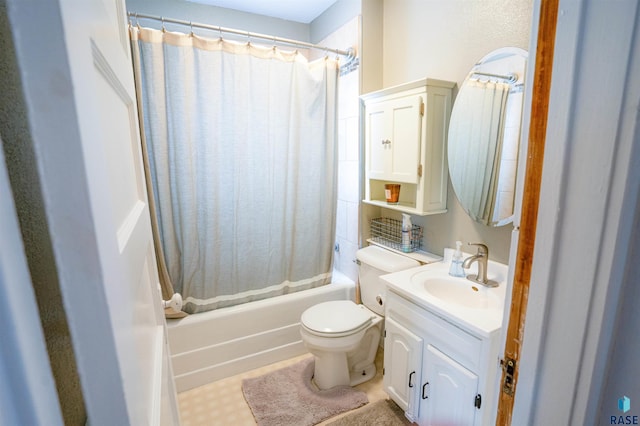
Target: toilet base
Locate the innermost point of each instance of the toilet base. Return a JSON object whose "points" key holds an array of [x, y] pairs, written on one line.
{"points": [[344, 361], [333, 372], [331, 369], [360, 377]]}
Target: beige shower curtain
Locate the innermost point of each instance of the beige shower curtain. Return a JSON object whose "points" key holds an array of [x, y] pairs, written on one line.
{"points": [[241, 149], [165, 281]]}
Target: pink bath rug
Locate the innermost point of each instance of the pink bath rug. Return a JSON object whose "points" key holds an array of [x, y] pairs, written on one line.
{"points": [[288, 397]]}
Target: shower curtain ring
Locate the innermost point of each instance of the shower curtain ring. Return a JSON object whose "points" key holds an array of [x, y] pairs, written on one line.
{"points": [[191, 25], [163, 28]]}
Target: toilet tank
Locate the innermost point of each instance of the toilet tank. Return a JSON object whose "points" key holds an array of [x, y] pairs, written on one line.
{"points": [[374, 261]]}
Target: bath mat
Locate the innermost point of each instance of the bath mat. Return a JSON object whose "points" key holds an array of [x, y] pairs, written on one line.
{"points": [[380, 413], [287, 397]]}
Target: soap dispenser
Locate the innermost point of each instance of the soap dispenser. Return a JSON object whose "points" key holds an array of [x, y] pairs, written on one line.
{"points": [[456, 270], [406, 233]]}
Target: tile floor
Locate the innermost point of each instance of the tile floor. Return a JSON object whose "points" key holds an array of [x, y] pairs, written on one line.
{"points": [[221, 403]]}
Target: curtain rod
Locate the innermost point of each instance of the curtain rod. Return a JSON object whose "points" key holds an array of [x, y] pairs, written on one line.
{"points": [[349, 53], [510, 78]]}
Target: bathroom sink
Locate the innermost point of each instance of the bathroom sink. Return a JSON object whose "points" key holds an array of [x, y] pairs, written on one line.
{"points": [[463, 302], [458, 291]]}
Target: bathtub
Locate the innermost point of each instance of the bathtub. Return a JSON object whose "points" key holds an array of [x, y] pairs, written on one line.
{"points": [[213, 345]]}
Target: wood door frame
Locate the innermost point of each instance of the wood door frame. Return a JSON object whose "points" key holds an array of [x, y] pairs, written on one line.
{"points": [[546, 32]]}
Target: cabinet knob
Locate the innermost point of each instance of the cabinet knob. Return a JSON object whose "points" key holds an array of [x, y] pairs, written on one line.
{"points": [[386, 142]]}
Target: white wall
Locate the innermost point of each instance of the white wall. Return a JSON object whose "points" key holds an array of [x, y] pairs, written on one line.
{"points": [[332, 19], [443, 40], [621, 377], [217, 16]]}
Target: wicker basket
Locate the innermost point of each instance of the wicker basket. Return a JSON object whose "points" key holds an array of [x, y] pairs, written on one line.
{"points": [[388, 232]]}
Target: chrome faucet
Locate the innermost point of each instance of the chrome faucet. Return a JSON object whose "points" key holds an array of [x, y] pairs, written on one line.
{"points": [[481, 258]]}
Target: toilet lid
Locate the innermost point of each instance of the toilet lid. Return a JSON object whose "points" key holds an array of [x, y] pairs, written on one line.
{"points": [[336, 317]]}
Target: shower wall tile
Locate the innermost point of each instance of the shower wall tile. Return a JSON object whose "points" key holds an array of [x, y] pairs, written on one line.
{"points": [[342, 139], [352, 222], [342, 224], [349, 101], [346, 258], [507, 177], [352, 139], [348, 173], [348, 153], [510, 143]]}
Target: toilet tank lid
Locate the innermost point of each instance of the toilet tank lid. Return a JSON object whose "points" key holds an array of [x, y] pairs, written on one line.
{"points": [[385, 260]]}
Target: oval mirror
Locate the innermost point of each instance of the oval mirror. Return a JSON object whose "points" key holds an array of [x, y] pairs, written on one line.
{"points": [[484, 136]]}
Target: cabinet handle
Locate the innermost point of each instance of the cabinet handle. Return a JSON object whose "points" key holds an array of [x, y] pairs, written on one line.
{"points": [[424, 387], [410, 377]]}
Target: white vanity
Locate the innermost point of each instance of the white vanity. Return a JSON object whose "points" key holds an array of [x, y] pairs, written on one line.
{"points": [[442, 334], [441, 344]]}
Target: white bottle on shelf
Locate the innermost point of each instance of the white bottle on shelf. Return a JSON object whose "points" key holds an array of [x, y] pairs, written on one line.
{"points": [[406, 232]]}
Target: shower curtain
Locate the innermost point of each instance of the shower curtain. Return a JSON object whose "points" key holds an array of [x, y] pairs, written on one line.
{"points": [[241, 148], [478, 118]]}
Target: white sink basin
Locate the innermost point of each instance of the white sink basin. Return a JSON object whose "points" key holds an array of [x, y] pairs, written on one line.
{"points": [[463, 302], [457, 291]]}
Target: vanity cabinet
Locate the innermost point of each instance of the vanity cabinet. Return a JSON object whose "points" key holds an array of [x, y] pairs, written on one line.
{"points": [[405, 132], [448, 390], [436, 371], [402, 353]]}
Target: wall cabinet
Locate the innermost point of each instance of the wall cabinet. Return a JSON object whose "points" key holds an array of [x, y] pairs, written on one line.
{"points": [[405, 132], [436, 371]]}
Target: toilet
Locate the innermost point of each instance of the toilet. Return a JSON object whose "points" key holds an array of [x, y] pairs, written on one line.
{"points": [[342, 336]]}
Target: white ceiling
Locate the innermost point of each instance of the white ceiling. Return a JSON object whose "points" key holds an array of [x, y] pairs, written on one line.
{"points": [[303, 11]]}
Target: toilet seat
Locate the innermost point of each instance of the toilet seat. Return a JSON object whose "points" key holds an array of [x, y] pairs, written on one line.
{"points": [[335, 319]]}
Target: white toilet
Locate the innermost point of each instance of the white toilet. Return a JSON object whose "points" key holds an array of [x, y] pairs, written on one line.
{"points": [[343, 336]]}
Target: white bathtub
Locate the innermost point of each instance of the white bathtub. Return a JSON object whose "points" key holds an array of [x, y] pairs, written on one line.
{"points": [[213, 345]]}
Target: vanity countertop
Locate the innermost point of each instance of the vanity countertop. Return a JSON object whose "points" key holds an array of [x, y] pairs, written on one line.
{"points": [[464, 303]]}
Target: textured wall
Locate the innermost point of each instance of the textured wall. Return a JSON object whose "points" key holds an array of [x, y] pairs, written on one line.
{"points": [[217, 16], [23, 175], [443, 39]]}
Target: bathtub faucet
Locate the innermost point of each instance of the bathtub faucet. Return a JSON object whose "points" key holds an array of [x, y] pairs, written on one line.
{"points": [[481, 258]]}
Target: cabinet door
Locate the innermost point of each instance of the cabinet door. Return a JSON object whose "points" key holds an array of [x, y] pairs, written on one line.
{"points": [[376, 140], [448, 391], [393, 133], [405, 136], [402, 361]]}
